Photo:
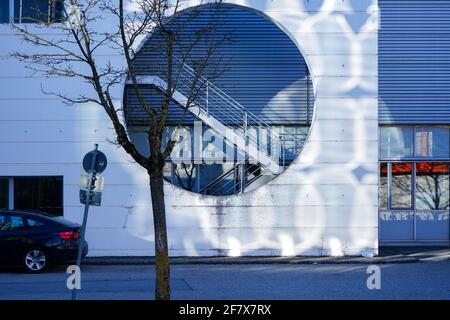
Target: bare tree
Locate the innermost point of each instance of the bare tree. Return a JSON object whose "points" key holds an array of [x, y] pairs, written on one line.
{"points": [[78, 42]]}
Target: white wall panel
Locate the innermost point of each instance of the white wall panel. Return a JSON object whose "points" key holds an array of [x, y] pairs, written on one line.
{"points": [[324, 204]]}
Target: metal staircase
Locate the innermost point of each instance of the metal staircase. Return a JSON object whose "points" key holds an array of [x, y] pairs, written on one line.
{"points": [[243, 176], [210, 105]]}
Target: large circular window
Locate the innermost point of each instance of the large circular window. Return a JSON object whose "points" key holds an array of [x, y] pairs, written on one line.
{"points": [[252, 106]]}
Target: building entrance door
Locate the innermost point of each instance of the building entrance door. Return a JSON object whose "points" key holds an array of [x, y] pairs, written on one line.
{"points": [[414, 203]]}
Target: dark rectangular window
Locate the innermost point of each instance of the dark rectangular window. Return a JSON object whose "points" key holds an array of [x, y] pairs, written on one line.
{"points": [[39, 193], [38, 11], [4, 11], [4, 194]]}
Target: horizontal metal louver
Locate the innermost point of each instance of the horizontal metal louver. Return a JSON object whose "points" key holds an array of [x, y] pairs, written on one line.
{"points": [[263, 69], [414, 62]]}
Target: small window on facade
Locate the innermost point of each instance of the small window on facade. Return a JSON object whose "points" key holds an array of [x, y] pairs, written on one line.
{"points": [[396, 142], [432, 142], [4, 11], [38, 11], [8, 223], [39, 193], [4, 194]]}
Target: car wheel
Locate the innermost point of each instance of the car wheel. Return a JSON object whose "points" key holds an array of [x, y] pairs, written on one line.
{"points": [[36, 260]]}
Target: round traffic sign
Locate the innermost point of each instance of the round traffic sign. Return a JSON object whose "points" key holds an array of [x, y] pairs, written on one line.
{"points": [[100, 161]]}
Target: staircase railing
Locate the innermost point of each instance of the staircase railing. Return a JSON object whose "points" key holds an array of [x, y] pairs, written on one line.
{"points": [[214, 101], [235, 180], [223, 177]]}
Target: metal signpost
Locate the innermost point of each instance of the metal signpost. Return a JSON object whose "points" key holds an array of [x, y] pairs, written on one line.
{"points": [[94, 162]]}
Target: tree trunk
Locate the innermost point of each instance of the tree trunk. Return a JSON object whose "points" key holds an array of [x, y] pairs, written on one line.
{"points": [[162, 290]]}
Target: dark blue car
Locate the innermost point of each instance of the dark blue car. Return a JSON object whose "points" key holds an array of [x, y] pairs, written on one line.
{"points": [[35, 241]]}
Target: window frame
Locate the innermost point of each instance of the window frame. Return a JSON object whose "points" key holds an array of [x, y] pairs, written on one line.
{"points": [[413, 157], [389, 186], [392, 157], [414, 187]]}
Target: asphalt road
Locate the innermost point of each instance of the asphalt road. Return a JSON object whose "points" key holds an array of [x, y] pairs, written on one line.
{"points": [[421, 280]]}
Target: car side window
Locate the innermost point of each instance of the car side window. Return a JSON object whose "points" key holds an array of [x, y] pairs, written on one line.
{"points": [[34, 223], [17, 223], [5, 223]]}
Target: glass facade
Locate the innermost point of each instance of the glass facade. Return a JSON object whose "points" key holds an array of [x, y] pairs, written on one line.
{"points": [[39, 193], [396, 142], [214, 166], [414, 187]]}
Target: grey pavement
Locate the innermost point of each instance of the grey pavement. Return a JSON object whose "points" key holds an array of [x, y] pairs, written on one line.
{"points": [[425, 279], [386, 255]]}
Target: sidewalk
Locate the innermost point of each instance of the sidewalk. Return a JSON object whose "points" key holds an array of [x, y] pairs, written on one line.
{"points": [[387, 255]]}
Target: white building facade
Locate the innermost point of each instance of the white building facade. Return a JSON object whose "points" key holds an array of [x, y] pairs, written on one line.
{"points": [[324, 203]]}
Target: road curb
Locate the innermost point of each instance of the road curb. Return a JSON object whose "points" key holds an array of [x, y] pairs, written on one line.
{"points": [[248, 260]]}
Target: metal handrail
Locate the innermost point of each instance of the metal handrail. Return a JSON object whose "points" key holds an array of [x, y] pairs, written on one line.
{"points": [[231, 110], [220, 178], [239, 185]]}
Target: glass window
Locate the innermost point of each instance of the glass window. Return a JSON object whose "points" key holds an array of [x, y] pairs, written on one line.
{"points": [[432, 142], [383, 185], [396, 142], [185, 176], [432, 186], [34, 223], [293, 139], [219, 179], [29, 11], [5, 223], [4, 11], [16, 223], [11, 223], [401, 186], [39, 193], [4, 194]]}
